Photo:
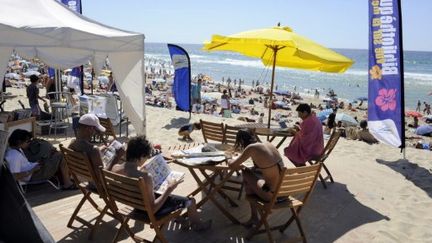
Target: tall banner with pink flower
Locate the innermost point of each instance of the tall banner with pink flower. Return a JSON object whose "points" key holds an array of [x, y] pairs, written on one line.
{"points": [[386, 83]]}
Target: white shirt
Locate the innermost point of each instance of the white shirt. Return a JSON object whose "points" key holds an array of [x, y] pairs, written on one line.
{"points": [[18, 162]]}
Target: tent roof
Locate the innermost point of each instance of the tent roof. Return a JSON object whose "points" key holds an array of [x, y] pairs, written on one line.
{"points": [[50, 23], [63, 39]]}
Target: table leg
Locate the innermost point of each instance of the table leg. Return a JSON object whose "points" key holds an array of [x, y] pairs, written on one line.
{"points": [[219, 186], [281, 141], [211, 192], [201, 184]]}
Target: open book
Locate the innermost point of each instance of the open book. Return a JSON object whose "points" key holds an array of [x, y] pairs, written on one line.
{"points": [[110, 152], [161, 173]]}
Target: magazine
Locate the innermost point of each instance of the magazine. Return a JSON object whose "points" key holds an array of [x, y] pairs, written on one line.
{"points": [[161, 173], [110, 152], [196, 156]]}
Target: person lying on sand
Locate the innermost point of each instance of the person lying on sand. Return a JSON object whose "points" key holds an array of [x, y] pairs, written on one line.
{"points": [[423, 145]]}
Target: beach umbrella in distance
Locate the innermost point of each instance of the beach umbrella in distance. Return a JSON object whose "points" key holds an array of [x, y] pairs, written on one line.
{"points": [[322, 115], [13, 76], [413, 114], [103, 79], [280, 46], [282, 92], [31, 72], [424, 130], [346, 119]]}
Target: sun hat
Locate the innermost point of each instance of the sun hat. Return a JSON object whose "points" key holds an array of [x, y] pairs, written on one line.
{"points": [[91, 120]]}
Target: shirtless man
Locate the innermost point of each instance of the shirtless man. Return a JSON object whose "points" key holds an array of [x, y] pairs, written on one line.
{"points": [[267, 161]]}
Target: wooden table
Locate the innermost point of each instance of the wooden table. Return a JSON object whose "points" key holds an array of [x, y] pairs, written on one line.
{"points": [[262, 130], [209, 185]]}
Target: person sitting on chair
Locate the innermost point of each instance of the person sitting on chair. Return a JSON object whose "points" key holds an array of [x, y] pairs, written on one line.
{"points": [[308, 141], [88, 125], [26, 171], [138, 151], [267, 161]]}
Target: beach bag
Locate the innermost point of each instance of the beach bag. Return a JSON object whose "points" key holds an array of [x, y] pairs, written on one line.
{"points": [[39, 150]]}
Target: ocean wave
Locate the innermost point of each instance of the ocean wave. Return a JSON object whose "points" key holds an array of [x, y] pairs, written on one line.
{"points": [[234, 62], [195, 58], [419, 76]]}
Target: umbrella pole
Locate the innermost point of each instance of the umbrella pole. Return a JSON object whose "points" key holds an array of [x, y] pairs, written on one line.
{"points": [[271, 89]]}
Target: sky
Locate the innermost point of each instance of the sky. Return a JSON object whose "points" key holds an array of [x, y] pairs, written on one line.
{"points": [[332, 23]]}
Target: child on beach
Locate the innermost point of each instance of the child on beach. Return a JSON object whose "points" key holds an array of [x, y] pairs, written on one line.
{"points": [[186, 130]]}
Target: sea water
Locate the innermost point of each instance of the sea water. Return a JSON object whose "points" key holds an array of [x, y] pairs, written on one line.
{"points": [[349, 85]]}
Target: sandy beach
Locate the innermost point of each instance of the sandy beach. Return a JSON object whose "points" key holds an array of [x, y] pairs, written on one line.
{"points": [[116, 62], [377, 196]]}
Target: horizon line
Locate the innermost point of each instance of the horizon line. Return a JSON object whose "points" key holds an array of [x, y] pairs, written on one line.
{"points": [[343, 48]]}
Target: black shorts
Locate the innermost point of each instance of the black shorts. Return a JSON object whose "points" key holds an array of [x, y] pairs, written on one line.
{"points": [[172, 203]]}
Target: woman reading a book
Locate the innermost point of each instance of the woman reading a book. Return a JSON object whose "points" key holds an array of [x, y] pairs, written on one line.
{"points": [[260, 181], [139, 149]]}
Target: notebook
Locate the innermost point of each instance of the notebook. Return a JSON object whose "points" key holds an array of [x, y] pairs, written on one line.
{"points": [[161, 173]]}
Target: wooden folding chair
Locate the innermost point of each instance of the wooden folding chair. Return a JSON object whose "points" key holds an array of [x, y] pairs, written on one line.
{"points": [[131, 192], [212, 131], [334, 138], [295, 186], [85, 178], [109, 128], [230, 135]]}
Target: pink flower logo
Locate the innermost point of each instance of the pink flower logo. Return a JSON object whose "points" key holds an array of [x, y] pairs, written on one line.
{"points": [[386, 99]]}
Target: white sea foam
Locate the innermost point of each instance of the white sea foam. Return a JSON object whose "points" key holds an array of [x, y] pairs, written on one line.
{"points": [[234, 62]]}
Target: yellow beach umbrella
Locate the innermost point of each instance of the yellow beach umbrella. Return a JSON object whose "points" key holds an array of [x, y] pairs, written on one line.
{"points": [[280, 46]]}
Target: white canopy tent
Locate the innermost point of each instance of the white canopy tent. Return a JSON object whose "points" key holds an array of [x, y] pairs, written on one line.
{"points": [[62, 39]]}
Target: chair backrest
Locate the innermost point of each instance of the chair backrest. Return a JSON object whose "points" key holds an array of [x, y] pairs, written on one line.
{"points": [[212, 131], [81, 168], [334, 138], [126, 190], [109, 128], [230, 134], [298, 181]]}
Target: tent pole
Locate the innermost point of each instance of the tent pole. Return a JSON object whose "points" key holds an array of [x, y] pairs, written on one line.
{"points": [[91, 82], [144, 80], [275, 49]]}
